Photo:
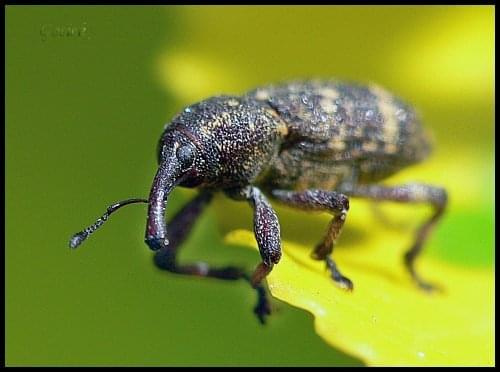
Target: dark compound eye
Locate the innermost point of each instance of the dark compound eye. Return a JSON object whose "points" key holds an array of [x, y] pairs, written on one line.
{"points": [[185, 155]]}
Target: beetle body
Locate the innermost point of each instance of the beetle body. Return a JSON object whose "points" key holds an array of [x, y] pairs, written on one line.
{"points": [[300, 135], [308, 144]]}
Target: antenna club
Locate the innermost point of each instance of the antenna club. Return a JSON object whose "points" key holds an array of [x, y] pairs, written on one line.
{"points": [[77, 239]]}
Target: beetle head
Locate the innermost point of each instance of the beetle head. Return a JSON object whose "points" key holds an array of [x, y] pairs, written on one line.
{"points": [[222, 142], [235, 138]]}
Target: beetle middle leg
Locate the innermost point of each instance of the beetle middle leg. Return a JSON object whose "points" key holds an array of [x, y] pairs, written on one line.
{"points": [[321, 200], [409, 193]]}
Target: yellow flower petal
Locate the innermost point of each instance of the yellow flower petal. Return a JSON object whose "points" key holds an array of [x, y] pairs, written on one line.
{"points": [[386, 320]]}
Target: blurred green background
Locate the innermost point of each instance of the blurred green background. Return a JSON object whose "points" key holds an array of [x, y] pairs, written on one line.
{"points": [[83, 116]]}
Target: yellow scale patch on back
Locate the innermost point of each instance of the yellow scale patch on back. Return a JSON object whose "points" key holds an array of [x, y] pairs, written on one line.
{"points": [[391, 127]]}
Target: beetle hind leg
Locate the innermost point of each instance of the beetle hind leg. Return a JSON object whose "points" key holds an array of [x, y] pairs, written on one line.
{"points": [[321, 200], [410, 193], [422, 234]]}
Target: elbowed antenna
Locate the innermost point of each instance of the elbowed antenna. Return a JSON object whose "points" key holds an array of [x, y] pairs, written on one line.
{"points": [[79, 237]]}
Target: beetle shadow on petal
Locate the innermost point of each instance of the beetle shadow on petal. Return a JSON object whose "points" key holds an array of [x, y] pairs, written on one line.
{"points": [[308, 228], [302, 227]]}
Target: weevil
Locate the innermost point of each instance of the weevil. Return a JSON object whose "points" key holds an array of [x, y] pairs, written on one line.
{"points": [[309, 144]]}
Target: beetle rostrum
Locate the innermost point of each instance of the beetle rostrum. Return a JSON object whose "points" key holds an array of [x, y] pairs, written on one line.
{"points": [[308, 144]]}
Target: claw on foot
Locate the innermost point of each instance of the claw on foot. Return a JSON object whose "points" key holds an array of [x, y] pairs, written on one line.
{"points": [[338, 278], [344, 283], [428, 287], [263, 307], [262, 310]]}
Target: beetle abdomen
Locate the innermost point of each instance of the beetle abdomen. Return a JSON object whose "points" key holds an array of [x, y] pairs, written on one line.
{"points": [[337, 131]]}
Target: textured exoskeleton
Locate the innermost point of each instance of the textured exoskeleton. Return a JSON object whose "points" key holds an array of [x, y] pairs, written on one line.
{"points": [[308, 144]]}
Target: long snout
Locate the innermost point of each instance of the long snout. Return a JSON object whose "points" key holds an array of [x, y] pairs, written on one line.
{"points": [[166, 178]]}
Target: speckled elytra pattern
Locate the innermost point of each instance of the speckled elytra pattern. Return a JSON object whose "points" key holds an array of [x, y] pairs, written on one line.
{"points": [[340, 132]]}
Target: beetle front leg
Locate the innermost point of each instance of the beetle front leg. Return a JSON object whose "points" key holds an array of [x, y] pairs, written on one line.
{"points": [[180, 226], [410, 193], [320, 200]]}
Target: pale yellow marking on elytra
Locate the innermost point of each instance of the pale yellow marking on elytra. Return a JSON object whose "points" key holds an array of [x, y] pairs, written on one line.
{"points": [[358, 131], [262, 95], [369, 146], [384, 98], [233, 102], [273, 113], [329, 93], [283, 129], [390, 148], [337, 144], [328, 105]]}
